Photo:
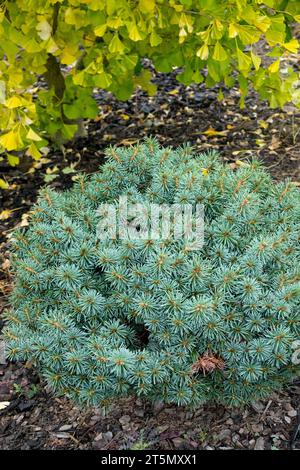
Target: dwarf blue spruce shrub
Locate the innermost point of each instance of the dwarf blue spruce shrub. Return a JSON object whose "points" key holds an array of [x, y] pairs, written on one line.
{"points": [[108, 318]]}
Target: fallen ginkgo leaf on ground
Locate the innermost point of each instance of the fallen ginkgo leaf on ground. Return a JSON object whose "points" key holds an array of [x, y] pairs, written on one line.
{"points": [[6, 213], [4, 404], [210, 132]]}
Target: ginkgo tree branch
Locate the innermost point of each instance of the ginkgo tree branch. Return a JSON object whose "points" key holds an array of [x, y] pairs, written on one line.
{"points": [[82, 45]]}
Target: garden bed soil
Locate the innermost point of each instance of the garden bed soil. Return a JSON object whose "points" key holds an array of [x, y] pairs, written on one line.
{"points": [[36, 420]]}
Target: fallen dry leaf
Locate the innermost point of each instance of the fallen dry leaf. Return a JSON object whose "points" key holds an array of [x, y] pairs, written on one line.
{"points": [[6, 213], [128, 141], [4, 404], [207, 363], [5, 265], [275, 143], [210, 132], [173, 92]]}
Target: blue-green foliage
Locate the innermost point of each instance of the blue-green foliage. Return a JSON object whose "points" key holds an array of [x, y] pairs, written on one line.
{"points": [[102, 319]]}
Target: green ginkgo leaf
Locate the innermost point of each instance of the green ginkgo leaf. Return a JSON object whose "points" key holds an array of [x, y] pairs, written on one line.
{"points": [[219, 52], [116, 46]]}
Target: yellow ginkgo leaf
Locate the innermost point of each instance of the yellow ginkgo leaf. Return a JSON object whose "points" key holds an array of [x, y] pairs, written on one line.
{"points": [[218, 25], [68, 56], [292, 46], [263, 124], [11, 140], [2, 91], [34, 152], [155, 39], [146, 6], [203, 52], [13, 160], [244, 62], [44, 30], [13, 102], [100, 30], [115, 22], [182, 36], [78, 79], [262, 23], [33, 136], [241, 163], [6, 213], [50, 171], [274, 67], [256, 60], [219, 53], [52, 46], [3, 184], [116, 45], [175, 91], [232, 30], [210, 132], [134, 33]]}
